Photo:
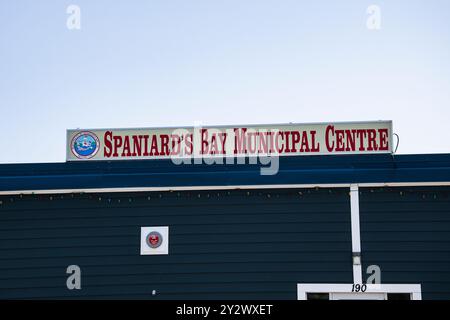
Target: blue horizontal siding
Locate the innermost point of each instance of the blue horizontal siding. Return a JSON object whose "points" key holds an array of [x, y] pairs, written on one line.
{"points": [[236, 244]]}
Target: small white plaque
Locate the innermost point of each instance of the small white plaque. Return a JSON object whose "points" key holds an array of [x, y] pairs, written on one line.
{"points": [[154, 240]]}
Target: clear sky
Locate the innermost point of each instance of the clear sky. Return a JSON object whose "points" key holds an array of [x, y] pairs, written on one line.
{"points": [[177, 63]]}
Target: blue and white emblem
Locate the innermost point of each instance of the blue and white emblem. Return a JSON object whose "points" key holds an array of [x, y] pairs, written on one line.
{"points": [[85, 145]]}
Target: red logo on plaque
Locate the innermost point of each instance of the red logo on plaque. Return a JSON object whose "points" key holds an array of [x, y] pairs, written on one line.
{"points": [[154, 239]]}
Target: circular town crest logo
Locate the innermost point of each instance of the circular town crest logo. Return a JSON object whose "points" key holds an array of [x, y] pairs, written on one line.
{"points": [[85, 145], [154, 239]]}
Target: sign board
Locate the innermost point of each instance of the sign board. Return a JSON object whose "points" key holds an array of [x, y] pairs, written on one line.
{"points": [[230, 141], [154, 240]]}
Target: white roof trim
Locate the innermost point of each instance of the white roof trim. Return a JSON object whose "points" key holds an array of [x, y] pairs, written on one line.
{"points": [[225, 187]]}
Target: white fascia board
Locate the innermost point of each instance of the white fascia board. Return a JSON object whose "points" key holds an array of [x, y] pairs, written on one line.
{"points": [[224, 187]]}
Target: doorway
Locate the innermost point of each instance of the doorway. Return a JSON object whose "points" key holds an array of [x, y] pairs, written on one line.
{"points": [[322, 291]]}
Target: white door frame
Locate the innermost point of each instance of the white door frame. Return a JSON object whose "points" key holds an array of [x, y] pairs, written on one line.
{"points": [[347, 288], [358, 296]]}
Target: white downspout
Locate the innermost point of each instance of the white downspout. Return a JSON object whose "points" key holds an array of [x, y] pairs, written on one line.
{"points": [[356, 234]]}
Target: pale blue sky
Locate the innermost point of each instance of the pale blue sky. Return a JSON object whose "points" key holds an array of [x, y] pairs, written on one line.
{"points": [[176, 63]]}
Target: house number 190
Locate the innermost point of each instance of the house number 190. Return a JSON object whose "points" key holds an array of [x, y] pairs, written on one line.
{"points": [[359, 288]]}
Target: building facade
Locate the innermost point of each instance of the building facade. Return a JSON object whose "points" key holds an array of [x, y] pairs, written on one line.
{"points": [[324, 227]]}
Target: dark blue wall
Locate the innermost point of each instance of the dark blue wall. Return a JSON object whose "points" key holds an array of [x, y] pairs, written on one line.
{"points": [[255, 244], [406, 231]]}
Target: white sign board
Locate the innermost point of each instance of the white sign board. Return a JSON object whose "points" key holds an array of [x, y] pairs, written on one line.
{"points": [[230, 141]]}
